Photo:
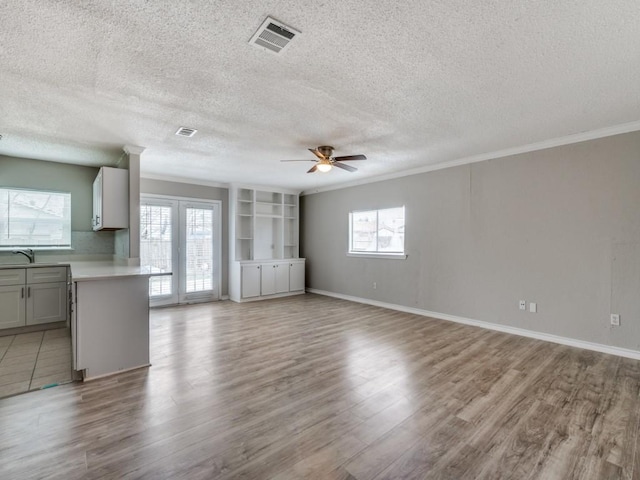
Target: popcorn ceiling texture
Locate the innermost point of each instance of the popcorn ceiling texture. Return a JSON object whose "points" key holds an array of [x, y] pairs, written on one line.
{"points": [[409, 84]]}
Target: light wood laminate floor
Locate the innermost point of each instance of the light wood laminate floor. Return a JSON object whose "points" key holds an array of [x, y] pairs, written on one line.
{"points": [[314, 387]]}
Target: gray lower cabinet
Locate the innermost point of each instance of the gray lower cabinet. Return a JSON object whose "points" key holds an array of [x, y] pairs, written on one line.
{"points": [[33, 296], [47, 303], [12, 306]]}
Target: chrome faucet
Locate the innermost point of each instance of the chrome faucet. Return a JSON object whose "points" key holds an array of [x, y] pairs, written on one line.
{"points": [[27, 252]]}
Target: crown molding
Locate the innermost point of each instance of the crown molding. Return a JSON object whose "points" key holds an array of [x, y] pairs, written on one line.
{"points": [[532, 147], [133, 149], [190, 181]]}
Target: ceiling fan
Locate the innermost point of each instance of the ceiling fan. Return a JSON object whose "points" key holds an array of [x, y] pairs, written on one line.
{"points": [[325, 162]]}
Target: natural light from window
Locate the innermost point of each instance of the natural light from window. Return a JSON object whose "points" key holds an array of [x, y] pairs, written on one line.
{"points": [[34, 219], [377, 231]]}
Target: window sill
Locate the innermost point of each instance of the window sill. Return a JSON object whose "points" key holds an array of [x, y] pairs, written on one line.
{"points": [[389, 256], [37, 249]]}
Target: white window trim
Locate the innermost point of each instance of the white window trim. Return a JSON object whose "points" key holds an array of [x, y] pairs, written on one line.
{"points": [[36, 248], [389, 256], [367, 254]]}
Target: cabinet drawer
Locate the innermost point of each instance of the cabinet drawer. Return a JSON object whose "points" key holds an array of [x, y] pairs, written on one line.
{"points": [[12, 276], [46, 274]]}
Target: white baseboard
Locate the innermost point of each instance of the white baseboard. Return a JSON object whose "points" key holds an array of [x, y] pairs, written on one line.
{"points": [[596, 347]]}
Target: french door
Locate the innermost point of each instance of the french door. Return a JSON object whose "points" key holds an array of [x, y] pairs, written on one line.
{"points": [[180, 244]]}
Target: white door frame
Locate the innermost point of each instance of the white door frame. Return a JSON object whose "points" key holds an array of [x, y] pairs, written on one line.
{"points": [[178, 235]]}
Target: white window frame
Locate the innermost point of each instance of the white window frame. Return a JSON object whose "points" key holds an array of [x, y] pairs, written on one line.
{"points": [[377, 253], [66, 224]]}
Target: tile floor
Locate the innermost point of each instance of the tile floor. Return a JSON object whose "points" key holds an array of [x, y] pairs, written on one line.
{"points": [[30, 361]]}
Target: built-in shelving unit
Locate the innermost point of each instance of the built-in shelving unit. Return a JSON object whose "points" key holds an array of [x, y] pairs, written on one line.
{"points": [[264, 229]]}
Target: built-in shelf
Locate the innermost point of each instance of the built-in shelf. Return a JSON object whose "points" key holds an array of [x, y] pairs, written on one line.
{"points": [[265, 224], [264, 251]]}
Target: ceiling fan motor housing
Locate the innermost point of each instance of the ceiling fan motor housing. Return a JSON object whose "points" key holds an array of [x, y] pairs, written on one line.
{"points": [[325, 150]]}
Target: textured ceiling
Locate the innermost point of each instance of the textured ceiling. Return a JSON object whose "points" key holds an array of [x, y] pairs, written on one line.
{"points": [[410, 84]]}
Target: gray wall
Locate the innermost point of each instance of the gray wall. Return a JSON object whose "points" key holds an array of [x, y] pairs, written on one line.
{"points": [[176, 189], [560, 227], [78, 180]]}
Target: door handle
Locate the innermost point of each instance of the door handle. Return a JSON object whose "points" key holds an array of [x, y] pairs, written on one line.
{"points": [[28, 291], [22, 292]]}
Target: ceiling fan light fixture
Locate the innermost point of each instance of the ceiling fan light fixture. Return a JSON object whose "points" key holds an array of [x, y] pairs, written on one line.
{"points": [[324, 167]]}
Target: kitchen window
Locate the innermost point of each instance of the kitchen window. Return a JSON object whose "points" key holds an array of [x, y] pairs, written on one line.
{"points": [[377, 232], [35, 219]]}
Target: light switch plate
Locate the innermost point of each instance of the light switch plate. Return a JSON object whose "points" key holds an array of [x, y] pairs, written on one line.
{"points": [[533, 307], [615, 319]]}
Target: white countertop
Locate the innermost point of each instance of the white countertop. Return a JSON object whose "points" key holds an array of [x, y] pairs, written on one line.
{"points": [[86, 271]]}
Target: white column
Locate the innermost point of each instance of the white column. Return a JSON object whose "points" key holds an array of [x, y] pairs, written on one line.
{"points": [[130, 239]]}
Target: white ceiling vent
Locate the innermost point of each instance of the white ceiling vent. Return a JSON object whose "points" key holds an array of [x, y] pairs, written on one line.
{"points": [[186, 132], [273, 36]]}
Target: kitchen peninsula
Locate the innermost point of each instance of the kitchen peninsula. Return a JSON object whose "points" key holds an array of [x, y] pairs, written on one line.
{"points": [[110, 318]]}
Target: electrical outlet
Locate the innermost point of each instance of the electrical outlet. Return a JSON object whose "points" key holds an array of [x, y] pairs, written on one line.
{"points": [[615, 319], [533, 307], [375, 285], [523, 305]]}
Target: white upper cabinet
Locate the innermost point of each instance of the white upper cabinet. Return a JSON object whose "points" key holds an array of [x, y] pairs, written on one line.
{"points": [[111, 199]]}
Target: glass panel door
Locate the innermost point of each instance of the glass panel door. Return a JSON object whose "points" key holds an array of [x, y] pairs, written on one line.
{"points": [[180, 244], [158, 249], [198, 242]]}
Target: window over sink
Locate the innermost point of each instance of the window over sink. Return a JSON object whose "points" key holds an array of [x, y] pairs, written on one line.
{"points": [[34, 219]]}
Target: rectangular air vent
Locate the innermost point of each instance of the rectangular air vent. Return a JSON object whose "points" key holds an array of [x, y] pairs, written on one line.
{"points": [[186, 132], [273, 36]]}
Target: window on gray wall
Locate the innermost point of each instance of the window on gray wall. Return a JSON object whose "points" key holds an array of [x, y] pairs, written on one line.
{"points": [[34, 218], [377, 231]]}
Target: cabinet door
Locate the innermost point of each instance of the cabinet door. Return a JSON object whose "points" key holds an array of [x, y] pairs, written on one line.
{"points": [[268, 279], [296, 276], [282, 277], [47, 303], [12, 306], [111, 199], [96, 221], [250, 281]]}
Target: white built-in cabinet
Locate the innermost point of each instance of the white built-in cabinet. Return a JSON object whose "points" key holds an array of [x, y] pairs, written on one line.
{"points": [[264, 250], [111, 199], [33, 296]]}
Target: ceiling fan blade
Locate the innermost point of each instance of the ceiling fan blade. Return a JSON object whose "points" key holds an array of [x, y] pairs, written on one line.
{"points": [[305, 160], [312, 169], [316, 153], [350, 157], [344, 166]]}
